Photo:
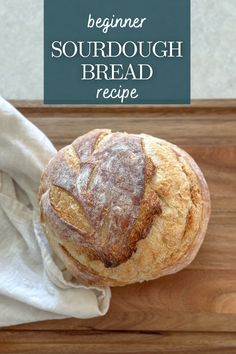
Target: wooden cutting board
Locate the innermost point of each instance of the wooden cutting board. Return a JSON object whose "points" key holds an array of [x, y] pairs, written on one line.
{"points": [[193, 311]]}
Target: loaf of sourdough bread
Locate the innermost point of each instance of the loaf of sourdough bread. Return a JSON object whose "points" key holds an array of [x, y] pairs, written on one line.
{"points": [[121, 208]]}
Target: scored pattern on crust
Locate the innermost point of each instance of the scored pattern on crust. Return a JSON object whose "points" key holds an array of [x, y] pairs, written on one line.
{"points": [[96, 193]]}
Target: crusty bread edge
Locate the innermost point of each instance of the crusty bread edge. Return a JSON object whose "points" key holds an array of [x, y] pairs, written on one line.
{"points": [[192, 251]]}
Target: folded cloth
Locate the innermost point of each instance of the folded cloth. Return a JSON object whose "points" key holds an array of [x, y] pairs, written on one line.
{"points": [[33, 284]]}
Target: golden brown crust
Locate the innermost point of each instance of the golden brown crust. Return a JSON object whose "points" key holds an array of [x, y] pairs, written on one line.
{"points": [[200, 196], [104, 202], [121, 208]]}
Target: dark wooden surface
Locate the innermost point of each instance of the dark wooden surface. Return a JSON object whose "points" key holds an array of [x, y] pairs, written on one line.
{"points": [[193, 311]]}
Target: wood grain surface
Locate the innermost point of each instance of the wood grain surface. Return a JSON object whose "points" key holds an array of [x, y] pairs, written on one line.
{"points": [[193, 311]]}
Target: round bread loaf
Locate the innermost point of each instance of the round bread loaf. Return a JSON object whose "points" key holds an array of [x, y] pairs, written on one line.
{"points": [[121, 208]]}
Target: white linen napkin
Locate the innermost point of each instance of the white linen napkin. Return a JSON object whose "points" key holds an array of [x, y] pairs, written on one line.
{"points": [[33, 285]]}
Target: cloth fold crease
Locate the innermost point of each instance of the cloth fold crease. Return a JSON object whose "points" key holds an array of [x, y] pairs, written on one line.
{"points": [[34, 285]]}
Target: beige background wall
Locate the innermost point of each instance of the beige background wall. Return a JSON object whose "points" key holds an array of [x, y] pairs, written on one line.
{"points": [[213, 49]]}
